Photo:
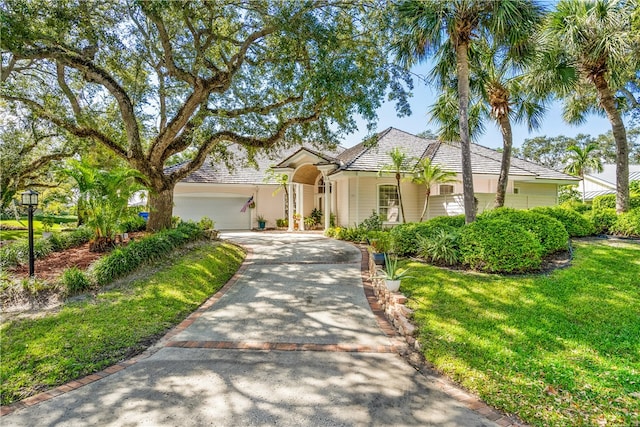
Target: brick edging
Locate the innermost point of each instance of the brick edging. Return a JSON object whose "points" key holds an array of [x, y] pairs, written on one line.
{"points": [[391, 313], [80, 382]]}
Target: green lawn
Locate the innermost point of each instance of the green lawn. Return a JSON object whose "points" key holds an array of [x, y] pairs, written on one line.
{"points": [[24, 234], [85, 337], [557, 349]]}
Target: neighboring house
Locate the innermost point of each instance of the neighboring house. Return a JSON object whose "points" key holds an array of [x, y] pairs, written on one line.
{"points": [[597, 184], [346, 183]]}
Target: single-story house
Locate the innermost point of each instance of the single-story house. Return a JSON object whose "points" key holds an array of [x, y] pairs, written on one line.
{"points": [[597, 184], [346, 183]]}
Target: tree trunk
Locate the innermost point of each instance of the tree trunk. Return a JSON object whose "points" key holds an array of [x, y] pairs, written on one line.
{"points": [[507, 142], [465, 142], [404, 220], [160, 209], [620, 136], [426, 203]]}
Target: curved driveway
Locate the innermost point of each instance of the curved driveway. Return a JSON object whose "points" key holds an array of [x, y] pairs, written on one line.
{"points": [[292, 343]]}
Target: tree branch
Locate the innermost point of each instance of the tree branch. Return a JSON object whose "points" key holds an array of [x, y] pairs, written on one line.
{"points": [[81, 132], [246, 141], [265, 109], [75, 106], [627, 93], [95, 74]]}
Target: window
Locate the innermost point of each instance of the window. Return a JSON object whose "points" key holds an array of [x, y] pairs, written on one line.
{"points": [[388, 203], [516, 190], [446, 189]]}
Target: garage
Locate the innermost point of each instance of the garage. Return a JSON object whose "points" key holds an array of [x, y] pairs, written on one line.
{"points": [[223, 209]]}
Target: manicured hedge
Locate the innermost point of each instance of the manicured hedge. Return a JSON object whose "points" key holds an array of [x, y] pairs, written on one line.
{"points": [[608, 201], [603, 219], [126, 259], [576, 225], [628, 223], [551, 234], [499, 246]]}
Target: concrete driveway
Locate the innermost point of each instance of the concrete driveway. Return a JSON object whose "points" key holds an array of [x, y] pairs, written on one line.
{"points": [[292, 342]]}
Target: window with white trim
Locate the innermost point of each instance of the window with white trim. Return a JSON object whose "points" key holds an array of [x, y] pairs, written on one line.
{"points": [[388, 205], [516, 190], [445, 189]]}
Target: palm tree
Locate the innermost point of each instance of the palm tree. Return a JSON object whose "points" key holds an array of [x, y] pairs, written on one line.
{"points": [[497, 93], [584, 160], [428, 27], [429, 174], [397, 167], [592, 44]]}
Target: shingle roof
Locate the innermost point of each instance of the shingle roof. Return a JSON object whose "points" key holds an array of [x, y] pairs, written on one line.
{"points": [[371, 156], [363, 157], [216, 172]]}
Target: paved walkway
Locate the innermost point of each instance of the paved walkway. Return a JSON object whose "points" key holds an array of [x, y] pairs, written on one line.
{"points": [[291, 341]]}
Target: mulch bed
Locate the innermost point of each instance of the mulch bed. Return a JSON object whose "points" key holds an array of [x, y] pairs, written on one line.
{"points": [[51, 267]]}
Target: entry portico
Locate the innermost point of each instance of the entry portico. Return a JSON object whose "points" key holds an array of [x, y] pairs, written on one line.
{"points": [[307, 174]]}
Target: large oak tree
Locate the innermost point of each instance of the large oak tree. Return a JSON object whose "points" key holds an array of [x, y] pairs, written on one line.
{"points": [[155, 80]]}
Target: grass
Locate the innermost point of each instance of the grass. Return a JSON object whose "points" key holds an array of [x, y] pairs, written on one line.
{"points": [[24, 234], [557, 349], [87, 336]]}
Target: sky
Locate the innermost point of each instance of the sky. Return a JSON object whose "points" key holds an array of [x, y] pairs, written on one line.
{"points": [[424, 96]]}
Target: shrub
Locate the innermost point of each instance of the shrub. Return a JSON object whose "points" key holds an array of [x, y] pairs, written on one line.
{"points": [[380, 241], [603, 219], [577, 206], [124, 260], [499, 246], [133, 223], [66, 240], [75, 280], [608, 201], [441, 247], [551, 234], [373, 223], [628, 223], [354, 234], [403, 239], [17, 253], [206, 223], [451, 221], [575, 224]]}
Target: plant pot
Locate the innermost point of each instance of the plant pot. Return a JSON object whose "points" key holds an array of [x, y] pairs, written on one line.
{"points": [[262, 225], [392, 285], [378, 258], [46, 234]]}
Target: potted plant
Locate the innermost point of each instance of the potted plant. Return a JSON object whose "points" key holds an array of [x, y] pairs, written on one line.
{"points": [[380, 243], [282, 223], [296, 221], [262, 222], [392, 275]]}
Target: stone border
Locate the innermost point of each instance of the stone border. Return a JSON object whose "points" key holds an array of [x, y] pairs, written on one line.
{"points": [[396, 316]]}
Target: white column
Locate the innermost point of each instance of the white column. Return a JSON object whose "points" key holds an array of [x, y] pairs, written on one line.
{"points": [[327, 203], [291, 207], [301, 205]]}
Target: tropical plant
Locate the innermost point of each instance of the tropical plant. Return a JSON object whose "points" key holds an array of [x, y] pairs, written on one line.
{"points": [[429, 174], [282, 180], [428, 27], [397, 167], [588, 52], [442, 246], [391, 271], [582, 160], [104, 197]]}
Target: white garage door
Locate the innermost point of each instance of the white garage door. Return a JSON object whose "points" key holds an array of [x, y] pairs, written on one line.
{"points": [[225, 211]]}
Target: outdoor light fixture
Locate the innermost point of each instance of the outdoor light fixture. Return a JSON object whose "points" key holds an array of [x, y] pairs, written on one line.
{"points": [[30, 200]]}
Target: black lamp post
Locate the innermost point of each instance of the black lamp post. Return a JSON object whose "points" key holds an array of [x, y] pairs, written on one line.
{"points": [[30, 200]]}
